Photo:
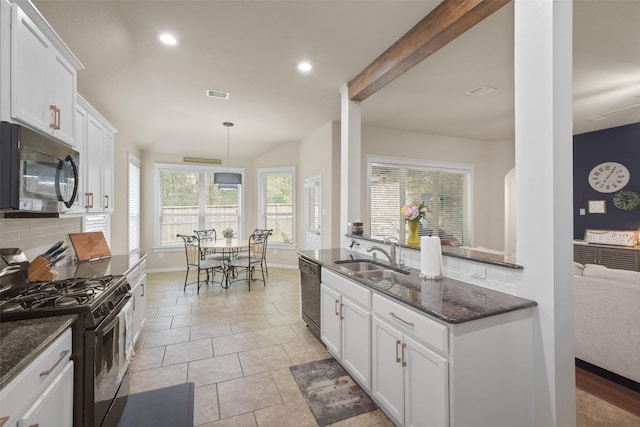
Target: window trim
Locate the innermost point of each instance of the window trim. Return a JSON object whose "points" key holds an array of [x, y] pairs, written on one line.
{"points": [[261, 208], [467, 168], [174, 167]]}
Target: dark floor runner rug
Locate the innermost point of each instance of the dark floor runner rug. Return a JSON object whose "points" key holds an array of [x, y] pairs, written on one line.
{"points": [[330, 392], [164, 407]]}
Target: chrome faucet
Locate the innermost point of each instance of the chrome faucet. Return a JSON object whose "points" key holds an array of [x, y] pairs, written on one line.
{"points": [[398, 260], [391, 256]]}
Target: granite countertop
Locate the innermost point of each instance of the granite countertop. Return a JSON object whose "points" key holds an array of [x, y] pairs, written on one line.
{"points": [[115, 264], [446, 299], [21, 341]]}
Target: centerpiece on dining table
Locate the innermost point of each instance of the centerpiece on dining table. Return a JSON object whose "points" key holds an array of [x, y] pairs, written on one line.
{"points": [[228, 234], [414, 213]]}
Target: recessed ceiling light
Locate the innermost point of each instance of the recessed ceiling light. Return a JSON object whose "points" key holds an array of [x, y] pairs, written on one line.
{"points": [[168, 39], [304, 67]]}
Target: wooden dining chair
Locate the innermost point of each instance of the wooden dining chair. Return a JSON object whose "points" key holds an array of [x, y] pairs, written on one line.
{"points": [[254, 258], [195, 261]]}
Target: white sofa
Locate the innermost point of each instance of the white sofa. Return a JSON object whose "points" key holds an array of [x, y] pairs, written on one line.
{"points": [[607, 318]]}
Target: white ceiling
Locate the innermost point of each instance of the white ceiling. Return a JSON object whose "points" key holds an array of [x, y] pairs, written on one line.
{"points": [[155, 95]]}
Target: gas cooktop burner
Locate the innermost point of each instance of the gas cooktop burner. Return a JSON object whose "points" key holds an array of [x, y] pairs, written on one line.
{"points": [[94, 296]]}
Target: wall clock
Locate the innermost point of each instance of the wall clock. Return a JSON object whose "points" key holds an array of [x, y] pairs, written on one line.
{"points": [[608, 177]]}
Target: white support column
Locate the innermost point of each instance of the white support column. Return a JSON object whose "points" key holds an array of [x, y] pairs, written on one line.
{"points": [[544, 141], [350, 160]]}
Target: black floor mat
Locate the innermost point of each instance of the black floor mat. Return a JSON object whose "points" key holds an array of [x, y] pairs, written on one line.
{"points": [[164, 407]]}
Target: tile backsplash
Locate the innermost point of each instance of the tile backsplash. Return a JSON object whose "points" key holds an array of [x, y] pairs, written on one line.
{"points": [[35, 236]]}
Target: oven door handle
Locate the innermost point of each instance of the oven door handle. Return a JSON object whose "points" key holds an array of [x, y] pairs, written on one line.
{"points": [[116, 319]]}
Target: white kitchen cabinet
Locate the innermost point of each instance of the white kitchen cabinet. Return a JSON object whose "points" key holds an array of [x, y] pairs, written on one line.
{"points": [[97, 161], [137, 278], [426, 372], [330, 322], [54, 407], [409, 380], [43, 75], [346, 324], [42, 393]]}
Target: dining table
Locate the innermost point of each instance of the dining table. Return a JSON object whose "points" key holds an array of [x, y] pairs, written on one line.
{"points": [[229, 248]]}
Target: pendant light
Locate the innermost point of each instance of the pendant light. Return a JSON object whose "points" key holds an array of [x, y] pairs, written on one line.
{"points": [[227, 180]]}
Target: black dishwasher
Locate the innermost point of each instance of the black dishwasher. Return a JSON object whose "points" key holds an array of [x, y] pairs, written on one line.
{"points": [[310, 294]]}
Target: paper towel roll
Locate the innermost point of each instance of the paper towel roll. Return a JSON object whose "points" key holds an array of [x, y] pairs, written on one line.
{"points": [[430, 256]]}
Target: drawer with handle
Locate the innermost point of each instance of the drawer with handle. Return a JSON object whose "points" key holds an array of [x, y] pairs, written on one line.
{"points": [[22, 390], [417, 325]]}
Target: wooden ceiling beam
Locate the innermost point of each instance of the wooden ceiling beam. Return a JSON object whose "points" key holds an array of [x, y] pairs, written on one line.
{"points": [[446, 22]]}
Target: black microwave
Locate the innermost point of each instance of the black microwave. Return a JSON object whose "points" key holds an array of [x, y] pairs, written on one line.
{"points": [[37, 173]]}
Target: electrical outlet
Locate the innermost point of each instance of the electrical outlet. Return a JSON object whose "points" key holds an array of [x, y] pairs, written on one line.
{"points": [[160, 254], [479, 272]]}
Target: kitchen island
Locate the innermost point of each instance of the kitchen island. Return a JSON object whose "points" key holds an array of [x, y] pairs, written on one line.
{"points": [[450, 300], [429, 352]]}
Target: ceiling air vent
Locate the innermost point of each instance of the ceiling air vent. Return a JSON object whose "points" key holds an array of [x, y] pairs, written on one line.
{"points": [[217, 94], [481, 91]]}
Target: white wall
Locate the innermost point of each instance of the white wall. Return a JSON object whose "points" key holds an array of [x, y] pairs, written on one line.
{"points": [[283, 155], [320, 156], [492, 160]]}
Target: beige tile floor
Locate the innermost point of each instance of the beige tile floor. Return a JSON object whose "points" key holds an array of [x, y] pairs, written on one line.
{"points": [[236, 347]]}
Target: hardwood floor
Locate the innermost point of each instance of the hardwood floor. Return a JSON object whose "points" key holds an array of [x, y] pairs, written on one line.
{"points": [[608, 390]]}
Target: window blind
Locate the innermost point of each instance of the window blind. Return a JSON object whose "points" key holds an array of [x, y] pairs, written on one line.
{"points": [[91, 223], [134, 205], [444, 193]]}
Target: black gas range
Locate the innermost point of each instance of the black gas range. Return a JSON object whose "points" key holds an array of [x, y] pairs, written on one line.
{"points": [[92, 298], [102, 345]]}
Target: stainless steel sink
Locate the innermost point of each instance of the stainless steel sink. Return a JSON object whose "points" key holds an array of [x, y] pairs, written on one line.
{"points": [[360, 265], [379, 274]]}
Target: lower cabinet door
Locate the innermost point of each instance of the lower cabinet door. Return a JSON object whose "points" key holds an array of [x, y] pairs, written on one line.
{"points": [[330, 323], [54, 407], [356, 342], [426, 382], [388, 376]]}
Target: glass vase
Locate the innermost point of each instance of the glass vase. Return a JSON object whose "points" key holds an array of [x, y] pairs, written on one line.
{"points": [[413, 239]]}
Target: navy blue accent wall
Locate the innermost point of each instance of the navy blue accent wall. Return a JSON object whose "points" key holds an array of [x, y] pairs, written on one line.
{"points": [[620, 144]]}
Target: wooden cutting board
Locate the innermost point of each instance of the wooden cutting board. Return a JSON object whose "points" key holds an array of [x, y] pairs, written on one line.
{"points": [[89, 245]]}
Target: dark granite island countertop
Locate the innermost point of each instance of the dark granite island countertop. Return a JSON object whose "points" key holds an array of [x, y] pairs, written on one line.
{"points": [[21, 341], [450, 300]]}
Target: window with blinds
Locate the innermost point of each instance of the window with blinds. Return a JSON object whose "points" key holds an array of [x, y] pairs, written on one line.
{"points": [[187, 199], [92, 223], [134, 205], [312, 194], [445, 191], [276, 196]]}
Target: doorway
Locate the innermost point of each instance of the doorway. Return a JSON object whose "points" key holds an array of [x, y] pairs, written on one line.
{"points": [[312, 213]]}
